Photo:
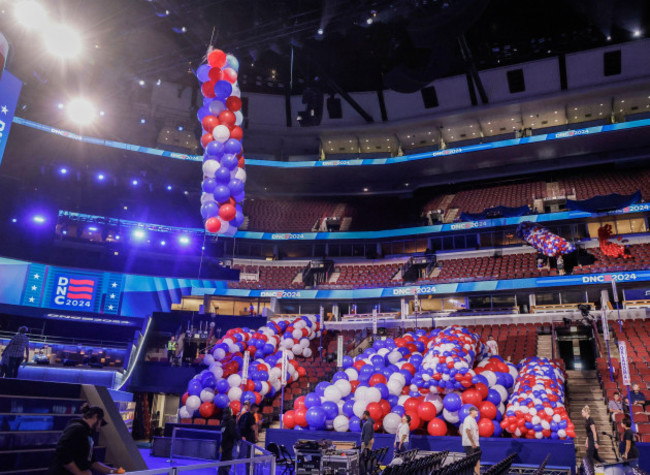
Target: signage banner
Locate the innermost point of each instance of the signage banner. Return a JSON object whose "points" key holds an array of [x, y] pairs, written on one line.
{"points": [[603, 317], [73, 292], [9, 92], [374, 321], [625, 369], [339, 351], [244, 373], [285, 363]]}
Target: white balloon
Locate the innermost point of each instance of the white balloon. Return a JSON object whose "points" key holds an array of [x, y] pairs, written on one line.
{"points": [[207, 395], [450, 416], [436, 400], [561, 433], [307, 352], [240, 174], [221, 133], [341, 423], [192, 403], [222, 230], [206, 197], [234, 380], [208, 359], [266, 387], [304, 342], [373, 395], [210, 167], [239, 118], [503, 392], [235, 91], [297, 350], [394, 387], [296, 334], [402, 399], [344, 387], [332, 393], [183, 413], [358, 408], [217, 371], [234, 394], [394, 356], [391, 421], [352, 373], [360, 393], [399, 377], [491, 377], [216, 107]]}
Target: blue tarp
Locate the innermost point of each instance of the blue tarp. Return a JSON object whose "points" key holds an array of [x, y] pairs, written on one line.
{"points": [[496, 212], [604, 203]]}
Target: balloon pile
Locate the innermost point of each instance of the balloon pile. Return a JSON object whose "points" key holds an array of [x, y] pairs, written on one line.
{"points": [[543, 240], [609, 248], [222, 385], [224, 175], [536, 406], [393, 378]]}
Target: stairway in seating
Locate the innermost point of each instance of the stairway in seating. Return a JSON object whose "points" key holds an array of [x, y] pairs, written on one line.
{"points": [[553, 190], [450, 215], [346, 222], [545, 346], [446, 201], [583, 388]]}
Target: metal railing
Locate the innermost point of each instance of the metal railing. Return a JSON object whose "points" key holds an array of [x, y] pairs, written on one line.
{"points": [[259, 461]]}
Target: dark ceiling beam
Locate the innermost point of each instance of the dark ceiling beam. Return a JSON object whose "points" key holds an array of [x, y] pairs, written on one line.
{"points": [[471, 68]]}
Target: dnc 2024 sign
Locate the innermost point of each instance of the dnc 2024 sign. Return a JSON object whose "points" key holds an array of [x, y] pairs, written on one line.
{"points": [[73, 292]]}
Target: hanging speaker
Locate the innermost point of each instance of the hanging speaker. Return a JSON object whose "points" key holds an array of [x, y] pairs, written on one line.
{"points": [[516, 81], [612, 63], [429, 97], [334, 108]]}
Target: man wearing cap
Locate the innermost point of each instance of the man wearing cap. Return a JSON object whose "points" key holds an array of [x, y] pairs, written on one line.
{"points": [[469, 432], [74, 450]]}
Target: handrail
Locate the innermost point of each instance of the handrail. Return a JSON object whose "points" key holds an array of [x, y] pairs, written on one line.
{"points": [[54, 340]]}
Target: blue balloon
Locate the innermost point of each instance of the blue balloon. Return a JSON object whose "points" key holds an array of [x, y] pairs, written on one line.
{"points": [[229, 161], [221, 400], [320, 388], [497, 429], [222, 175], [331, 410], [268, 348], [232, 146], [383, 389], [222, 89], [355, 424], [348, 408], [221, 194], [208, 380], [248, 396], [315, 418], [235, 185], [202, 112], [312, 400], [217, 106], [398, 410], [214, 149], [223, 386], [238, 220], [452, 402], [194, 387], [209, 209], [340, 375], [202, 72], [494, 397], [262, 376], [208, 185]]}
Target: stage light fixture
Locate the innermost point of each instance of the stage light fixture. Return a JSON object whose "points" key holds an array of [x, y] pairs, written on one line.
{"points": [[143, 121], [102, 113], [14, 220], [135, 182], [139, 234], [636, 33], [63, 171], [320, 32], [141, 82], [39, 219], [169, 188], [184, 240], [59, 105], [163, 243], [62, 41], [30, 14], [92, 228], [81, 111], [101, 177], [180, 128]]}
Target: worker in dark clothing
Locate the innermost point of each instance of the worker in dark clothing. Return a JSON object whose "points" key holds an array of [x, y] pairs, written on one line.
{"points": [[367, 431], [74, 450], [246, 427], [228, 438]]}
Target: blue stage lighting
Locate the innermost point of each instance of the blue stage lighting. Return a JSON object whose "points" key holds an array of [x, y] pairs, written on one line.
{"points": [[135, 182], [39, 219], [169, 188], [100, 177], [92, 228], [163, 243], [63, 171], [184, 240], [14, 220], [139, 234]]}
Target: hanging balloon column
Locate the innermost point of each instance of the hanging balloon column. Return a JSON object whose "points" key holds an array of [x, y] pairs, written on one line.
{"points": [[222, 384], [431, 376], [536, 406], [224, 175], [609, 248], [543, 240]]}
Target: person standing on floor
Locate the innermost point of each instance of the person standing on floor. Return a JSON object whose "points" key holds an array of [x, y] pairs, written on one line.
{"points": [[16, 352], [246, 426], [492, 345], [629, 452], [402, 437], [229, 438], [469, 432], [591, 443], [367, 431]]}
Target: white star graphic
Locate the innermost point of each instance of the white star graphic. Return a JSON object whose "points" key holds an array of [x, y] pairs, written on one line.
{"points": [[31, 299], [110, 307], [33, 287], [112, 296], [114, 284], [4, 109], [36, 276]]}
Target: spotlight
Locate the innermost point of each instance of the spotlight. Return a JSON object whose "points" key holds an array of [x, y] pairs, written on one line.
{"points": [[320, 32], [139, 234], [117, 237], [81, 111], [636, 33], [180, 128], [369, 21], [62, 41], [143, 121], [30, 14], [92, 229], [163, 243], [158, 82], [141, 82], [14, 220], [63, 171], [135, 182], [184, 240], [609, 38], [169, 188], [101, 177], [59, 105], [39, 219], [102, 113], [64, 232]]}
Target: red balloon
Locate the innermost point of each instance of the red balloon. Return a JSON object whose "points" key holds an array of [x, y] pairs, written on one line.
{"points": [[482, 389], [471, 396], [217, 58], [233, 103], [209, 122], [241, 163], [375, 410], [385, 407], [212, 225], [230, 75], [206, 409], [409, 367], [235, 406], [412, 404], [227, 212], [289, 419], [227, 118], [184, 398], [415, 420], [376, 426], [358, 364], [488, 410], [400, 342], [215, 74], [300, 414], [485, 427], [302, 372], [207, 89], [426, 411], [236, 133], [299, 402], [250, 385], [355, 385], [437, 427], [206, 139], [376, 379]]}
